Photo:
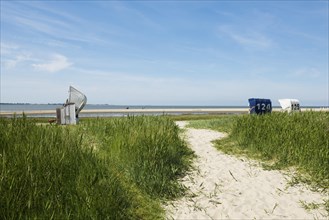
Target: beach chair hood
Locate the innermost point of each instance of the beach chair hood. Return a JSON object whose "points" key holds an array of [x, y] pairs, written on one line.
{"points": [[78, 98]]}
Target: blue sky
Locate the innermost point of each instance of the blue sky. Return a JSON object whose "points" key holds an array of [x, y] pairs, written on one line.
{"points": [[165, 52]]}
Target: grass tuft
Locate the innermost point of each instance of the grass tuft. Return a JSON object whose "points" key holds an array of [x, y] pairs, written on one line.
{"points": [[300, 140], [101, 169], [280, 140]]}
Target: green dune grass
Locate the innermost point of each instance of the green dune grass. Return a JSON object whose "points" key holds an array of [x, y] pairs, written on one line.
{"points": [[299, 139], [280, 140], [101, 169]]}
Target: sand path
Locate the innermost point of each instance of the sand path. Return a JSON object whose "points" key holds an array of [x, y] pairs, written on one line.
{"points": [[227, 187]]}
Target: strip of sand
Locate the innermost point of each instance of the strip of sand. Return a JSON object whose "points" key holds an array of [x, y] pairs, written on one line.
{"points": [[131, 111], [149, 111], [226, 187]]}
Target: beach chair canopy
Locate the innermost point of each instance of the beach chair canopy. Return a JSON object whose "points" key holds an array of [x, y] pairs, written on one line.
{"points": [[289, 104], [259, 106], [78, 98]]}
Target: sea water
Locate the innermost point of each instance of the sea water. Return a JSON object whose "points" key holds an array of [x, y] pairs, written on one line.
{"points": [[7, 107]]}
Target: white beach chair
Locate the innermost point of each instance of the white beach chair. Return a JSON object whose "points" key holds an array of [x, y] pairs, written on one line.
{"points": [[78, 98], [69, 113], [290, 105]]}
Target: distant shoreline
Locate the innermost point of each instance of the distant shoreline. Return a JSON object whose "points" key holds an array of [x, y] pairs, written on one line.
{"points": [[108, 112], [157, 105]]}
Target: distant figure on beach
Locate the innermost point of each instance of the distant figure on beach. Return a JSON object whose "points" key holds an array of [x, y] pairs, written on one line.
{"points": [[127, 107]]}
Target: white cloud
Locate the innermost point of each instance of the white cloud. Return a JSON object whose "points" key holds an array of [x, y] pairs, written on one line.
{"points": [[57, 63], [7, 48], [256, 40], [12, 55], [307, 73], [12, 63], [248, 39]]}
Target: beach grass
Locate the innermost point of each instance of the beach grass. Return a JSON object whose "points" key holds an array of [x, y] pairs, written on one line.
{"points": [[197, 117], [299, 140], [280, 141], [223, 123], [118, 168], [148, 148]]}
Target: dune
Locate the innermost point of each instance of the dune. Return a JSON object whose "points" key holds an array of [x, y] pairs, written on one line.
{"points": [[227, 187]]}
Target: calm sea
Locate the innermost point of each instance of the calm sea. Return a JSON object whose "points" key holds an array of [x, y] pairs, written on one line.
{"points": [[30, 107]]}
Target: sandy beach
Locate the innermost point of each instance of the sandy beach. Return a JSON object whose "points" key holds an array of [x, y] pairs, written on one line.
{"points": [[132, 111], [96, 112], [226, 187]]}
